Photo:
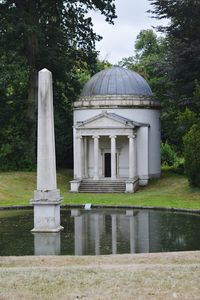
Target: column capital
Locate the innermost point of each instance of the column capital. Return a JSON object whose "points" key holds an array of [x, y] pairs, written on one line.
{"points": [[112, 136], [95, 136], [132, 136], [79, 136]]}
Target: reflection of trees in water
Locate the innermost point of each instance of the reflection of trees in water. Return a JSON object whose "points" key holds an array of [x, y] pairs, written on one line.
{"points": [[179, 231], [15, 236], [67, 235]]}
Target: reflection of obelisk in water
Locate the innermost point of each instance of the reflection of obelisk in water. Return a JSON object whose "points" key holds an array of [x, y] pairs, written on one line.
{"points": [[47, 243], [46, 198]]}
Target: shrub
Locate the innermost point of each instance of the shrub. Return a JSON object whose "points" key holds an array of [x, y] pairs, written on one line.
{"points": [[191, 143], [168, 155]]}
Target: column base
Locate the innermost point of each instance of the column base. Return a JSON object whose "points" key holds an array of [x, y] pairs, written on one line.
{"points": [[132, 185], [74, 185], [143, 180]]}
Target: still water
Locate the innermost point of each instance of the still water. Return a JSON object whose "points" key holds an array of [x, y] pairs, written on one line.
{"points": [[101, 231]]}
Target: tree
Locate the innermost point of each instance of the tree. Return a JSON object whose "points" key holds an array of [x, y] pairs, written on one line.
{"points": [[147, 44], [183, 34], [57, 35], [192, 155], [14, 147]]}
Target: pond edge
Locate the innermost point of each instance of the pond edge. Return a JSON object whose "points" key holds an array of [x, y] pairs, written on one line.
{"points": [[158, 208]]}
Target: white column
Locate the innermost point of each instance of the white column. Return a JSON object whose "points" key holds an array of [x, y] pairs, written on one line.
{"points": [[85, 157], [79, 156], [96, 157], [132, 156], [113, 157]]}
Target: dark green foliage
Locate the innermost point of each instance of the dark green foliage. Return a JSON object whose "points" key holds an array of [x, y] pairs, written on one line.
{"points": [[192, 155], [184, 121], [175, 124], [57, 35], [183, 34], [15, 150], [183, 70]]}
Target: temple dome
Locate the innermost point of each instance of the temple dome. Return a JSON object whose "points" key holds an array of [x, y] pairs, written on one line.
{"points": [[116, 81]]}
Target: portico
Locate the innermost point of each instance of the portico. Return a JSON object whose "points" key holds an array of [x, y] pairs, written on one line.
{"points": [[101, 152]]}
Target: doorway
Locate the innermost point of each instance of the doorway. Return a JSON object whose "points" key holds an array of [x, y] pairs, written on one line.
{"points": [[107, 164]]}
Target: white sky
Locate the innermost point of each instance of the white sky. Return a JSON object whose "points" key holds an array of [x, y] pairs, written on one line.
{"points": [[118, 39]]}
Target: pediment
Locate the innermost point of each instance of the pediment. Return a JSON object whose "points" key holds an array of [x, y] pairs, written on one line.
{"points": [[108, 120]]}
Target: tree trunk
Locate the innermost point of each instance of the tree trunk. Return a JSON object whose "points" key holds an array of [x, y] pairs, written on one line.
{"points": [[31, 113], [31, 50]]}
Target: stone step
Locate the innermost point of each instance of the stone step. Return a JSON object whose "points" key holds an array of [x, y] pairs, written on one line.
{"points": [[101, 192], [102, 182], [102, 186]]}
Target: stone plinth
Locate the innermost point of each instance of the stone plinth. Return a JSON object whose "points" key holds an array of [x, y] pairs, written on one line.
{"points": [[74, 185], [46, 216], [132, 185], [46, 211]]}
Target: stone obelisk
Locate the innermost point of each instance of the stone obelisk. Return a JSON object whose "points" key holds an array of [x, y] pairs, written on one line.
{"points": [[47, 198]]}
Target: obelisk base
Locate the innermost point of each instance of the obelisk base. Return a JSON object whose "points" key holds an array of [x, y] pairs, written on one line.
{"points": [[46, 211]]}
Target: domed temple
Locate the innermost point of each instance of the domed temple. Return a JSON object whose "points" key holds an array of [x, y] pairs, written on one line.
{"points": [[116, 133]]}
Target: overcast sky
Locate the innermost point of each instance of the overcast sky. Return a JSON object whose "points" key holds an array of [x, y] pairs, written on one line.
{"points": [[118, 39]]}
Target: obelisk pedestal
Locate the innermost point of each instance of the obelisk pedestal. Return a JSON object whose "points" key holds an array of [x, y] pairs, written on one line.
{"points": [[47, 198]]}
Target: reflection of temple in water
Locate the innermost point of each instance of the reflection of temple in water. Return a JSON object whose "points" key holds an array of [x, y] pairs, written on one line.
{"points": [[127, 231]]}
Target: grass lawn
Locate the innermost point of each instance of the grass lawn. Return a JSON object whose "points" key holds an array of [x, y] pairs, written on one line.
{"points": [[171, 190]]}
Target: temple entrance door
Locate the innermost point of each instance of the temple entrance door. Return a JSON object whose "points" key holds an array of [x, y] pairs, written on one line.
{"points": [[107, 164]]}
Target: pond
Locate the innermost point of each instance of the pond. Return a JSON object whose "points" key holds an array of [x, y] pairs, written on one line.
{"points": [[100, 232]]}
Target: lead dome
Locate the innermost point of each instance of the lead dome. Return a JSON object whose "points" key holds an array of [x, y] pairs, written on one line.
{"points": [[116, 81]]}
